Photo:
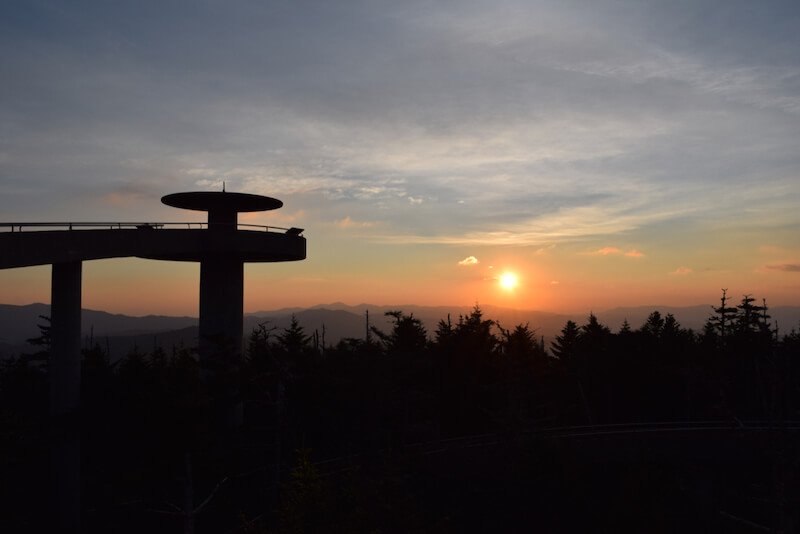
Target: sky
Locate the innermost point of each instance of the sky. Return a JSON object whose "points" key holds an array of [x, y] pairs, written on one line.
{"points": [[605, 152]]}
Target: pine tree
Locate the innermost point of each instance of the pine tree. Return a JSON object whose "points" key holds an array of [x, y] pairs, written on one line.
{"points": [[565, 346], [750, 317], [724, 316], [653, 326], [444, 331], [293, 341], [408, 335]]}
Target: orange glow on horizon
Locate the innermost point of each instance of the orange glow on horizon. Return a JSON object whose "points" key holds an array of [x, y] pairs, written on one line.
{"points": [[560, 283]]}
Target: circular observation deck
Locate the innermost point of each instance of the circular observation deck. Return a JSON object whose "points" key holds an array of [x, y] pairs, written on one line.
{"points": [[214, 201]]}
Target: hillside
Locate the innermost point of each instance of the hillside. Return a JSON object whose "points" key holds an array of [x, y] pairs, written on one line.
{"points": [[120, 333]]}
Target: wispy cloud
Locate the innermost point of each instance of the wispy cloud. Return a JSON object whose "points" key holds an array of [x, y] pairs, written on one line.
{"points": [[349, 222], [681, 271], [469, 260], [565, 224], [278, 216], [610, 251], [762, 86], [118, 198], [785, 267], [605, 251], [773, 250]]}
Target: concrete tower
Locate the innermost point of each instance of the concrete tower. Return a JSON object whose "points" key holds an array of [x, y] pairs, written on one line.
{"points": [[222, 267], [221, 247]]}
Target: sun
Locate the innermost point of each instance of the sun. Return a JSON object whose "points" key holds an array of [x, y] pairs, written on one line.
{"points": [[508, 281]]}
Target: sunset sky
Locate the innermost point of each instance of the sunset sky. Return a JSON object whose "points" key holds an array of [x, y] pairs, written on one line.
{"points": [[604, 152]]}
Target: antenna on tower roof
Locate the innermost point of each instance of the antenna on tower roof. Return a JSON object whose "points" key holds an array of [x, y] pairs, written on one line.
{"points": [[223, 186]]}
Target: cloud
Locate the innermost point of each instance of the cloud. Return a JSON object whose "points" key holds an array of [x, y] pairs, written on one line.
{"points": [[567, 129], [348, 222], [682, 271], [119, 198], [554, 282], [469, 260], [612, 251], [772, 250], [125, 192], [762, 86], [785, 267], [273, 216], [505, 219]]}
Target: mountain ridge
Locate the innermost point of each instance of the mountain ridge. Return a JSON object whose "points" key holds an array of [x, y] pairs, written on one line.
{"points": [[335, 321]]}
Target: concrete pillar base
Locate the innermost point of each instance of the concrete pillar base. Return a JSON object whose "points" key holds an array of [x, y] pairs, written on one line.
{"points": [[65, 338], [220, 332], [64, 371]]}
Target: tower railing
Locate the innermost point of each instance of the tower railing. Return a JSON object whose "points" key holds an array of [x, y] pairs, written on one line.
{"points": [[41, 226]]}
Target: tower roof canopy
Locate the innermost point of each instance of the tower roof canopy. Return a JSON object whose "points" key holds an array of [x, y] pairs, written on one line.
{"points": [[221, 201]]}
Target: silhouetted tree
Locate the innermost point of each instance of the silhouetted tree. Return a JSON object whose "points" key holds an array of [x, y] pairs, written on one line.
{"points": [[444, 331], [594, 338], [293, 341], [653, 326], [96, 373], [143, 418], [565, 346], [520, 346], [42, 340], [625, 328], [466, 358], [408, 335], [522, 362], [723, 318], [751, 318]]}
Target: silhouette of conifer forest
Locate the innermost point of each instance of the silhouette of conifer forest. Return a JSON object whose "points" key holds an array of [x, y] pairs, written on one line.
{"points": [[475, 426]]}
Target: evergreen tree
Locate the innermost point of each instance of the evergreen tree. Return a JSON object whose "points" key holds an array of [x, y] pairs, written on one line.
{"points": [[653, 326], [408, 335], [444, 331], [594, 333], [520, 347], [724, 317], [751, 318], [565, 346], [293, 341], [625, 329], [41, 357]]}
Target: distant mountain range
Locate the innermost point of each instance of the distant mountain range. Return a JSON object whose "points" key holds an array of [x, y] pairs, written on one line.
{"points": [[120, 333]]}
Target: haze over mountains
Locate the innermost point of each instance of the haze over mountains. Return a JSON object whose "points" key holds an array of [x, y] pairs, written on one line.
{"points": [[120, 333]]}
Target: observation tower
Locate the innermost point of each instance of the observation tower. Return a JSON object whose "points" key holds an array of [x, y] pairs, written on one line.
{"points": [[221, 246], [222, 264]]}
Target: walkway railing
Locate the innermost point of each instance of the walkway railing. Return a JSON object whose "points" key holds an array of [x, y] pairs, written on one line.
{"points": [[40, 226]]}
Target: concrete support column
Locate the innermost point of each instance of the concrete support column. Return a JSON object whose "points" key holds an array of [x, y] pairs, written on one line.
{"points": [[221, 307], [65, 392], [222, 220], [65, 338]]}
